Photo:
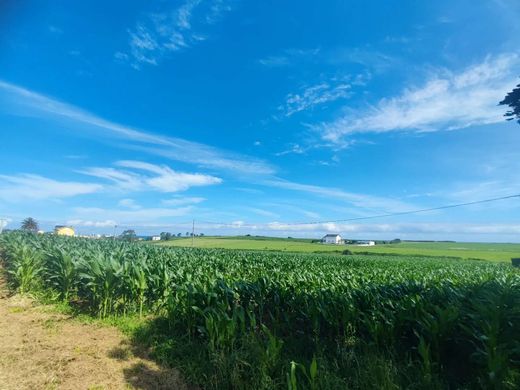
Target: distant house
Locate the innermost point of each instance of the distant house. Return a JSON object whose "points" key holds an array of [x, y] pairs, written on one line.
{"points": [[64, 231], [332, 239], [366, 243], [156, 238]]}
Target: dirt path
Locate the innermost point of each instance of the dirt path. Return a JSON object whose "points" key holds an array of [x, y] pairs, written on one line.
{"points": [[40, 349]]}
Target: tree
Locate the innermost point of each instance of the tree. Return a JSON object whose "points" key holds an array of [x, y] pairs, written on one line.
{"points": [[128, 235], [512, 100], [30, 225], [165, 236], [187, 234], [179, 234]]}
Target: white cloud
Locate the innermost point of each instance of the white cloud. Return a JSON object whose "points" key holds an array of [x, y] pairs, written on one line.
{"points": [[156, 177], [398, 228], [3, 223], [361, 201], [131, 216], [87, 223], [262, 212], [447, 101], [20, 101], [169, 31], [168, 180], [182, 201], [128, 203], [289, 57], [315, 95], [34, 187], [124, 180], [293, 149]]}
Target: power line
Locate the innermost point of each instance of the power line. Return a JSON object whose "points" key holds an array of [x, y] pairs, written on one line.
{"points": [[379, 215], [243, 224]]}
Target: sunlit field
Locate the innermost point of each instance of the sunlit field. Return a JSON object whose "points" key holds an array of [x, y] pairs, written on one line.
{"points": [[483, 251], [268, 320]]}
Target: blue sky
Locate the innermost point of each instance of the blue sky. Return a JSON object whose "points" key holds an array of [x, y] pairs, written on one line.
{"points": [[257, 115]]}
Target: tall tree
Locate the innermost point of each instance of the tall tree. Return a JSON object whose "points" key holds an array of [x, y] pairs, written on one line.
{"points": [[128, 235], [512, 100], [30, 225], [165, 236]]}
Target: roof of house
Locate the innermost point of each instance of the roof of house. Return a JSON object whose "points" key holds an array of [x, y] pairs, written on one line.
{"points": [[331, 235]]}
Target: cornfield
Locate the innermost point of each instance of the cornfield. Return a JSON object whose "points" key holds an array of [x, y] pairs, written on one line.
{"points": [[238, 319]]}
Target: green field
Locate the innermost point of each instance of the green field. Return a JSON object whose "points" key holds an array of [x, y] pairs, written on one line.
{"points": [[483, 251], [237, 319]]}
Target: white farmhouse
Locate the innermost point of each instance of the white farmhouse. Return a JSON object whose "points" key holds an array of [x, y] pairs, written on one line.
{"points": [[156, 238], [366, 243], [332, 239]]}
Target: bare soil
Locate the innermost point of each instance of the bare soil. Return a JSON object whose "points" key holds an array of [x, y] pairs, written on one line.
{"points": [[42, 349]]}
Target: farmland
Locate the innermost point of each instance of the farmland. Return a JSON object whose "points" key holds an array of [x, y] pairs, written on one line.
{"points": [[255, 319], [483, 251]]}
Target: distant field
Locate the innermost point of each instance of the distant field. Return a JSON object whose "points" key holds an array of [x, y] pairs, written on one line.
{"points": [[484, 251]]}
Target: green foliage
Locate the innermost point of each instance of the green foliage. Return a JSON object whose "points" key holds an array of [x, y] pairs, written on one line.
{"points": [[512, 100], [29, 225], [238, 319]]}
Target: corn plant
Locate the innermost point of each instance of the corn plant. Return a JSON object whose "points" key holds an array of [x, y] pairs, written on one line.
{"points": [[455, 323]]}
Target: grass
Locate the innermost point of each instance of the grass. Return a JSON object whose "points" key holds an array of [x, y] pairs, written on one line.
{"points": [[481, 251]]}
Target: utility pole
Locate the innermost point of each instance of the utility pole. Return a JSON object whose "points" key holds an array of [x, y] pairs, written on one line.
{"points": [[192, 233], [3, 223], [114, 236]]}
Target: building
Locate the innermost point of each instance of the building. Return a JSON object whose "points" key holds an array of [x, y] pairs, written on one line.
{"points": [[366, 243], [156, 238], [332, 239], [64, 231]]}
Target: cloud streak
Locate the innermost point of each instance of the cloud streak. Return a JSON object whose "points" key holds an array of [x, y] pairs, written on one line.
{"points": [[150, 177], [315, 95], [23, 102], [360, 201], [447, 101], [34, 187]]}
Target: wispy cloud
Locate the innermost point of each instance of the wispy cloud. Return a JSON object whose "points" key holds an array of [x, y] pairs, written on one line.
{"points": [[183, 201], [447, 101], [361, 201], [20, 101], [128, 203], [415, 230], [128, 181], [89, 223], [311, 96], [289, 57], [150, 177], [262, 212], [130, 216], [34, 187], [171, 30], [448, 229], [293, 149]]}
